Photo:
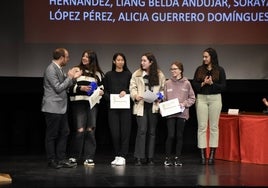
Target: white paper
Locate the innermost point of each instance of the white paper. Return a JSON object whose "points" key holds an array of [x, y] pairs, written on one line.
{"points": [[170, 107], [95, 98], [233, 111], [117, 102], [149, 96]]}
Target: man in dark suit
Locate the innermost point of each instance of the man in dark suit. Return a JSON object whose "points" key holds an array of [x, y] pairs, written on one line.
{"points": [[54, 107]]}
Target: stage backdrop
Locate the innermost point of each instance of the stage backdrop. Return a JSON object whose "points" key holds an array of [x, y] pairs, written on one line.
{"points": [[171, 29]]}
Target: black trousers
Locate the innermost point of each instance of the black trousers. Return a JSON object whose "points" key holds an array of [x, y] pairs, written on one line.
{"points": [[120, 128], [146, 132], [175, 128], [57, 131]]}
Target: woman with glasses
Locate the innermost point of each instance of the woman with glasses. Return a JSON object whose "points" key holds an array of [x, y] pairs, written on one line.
{"points": [[177, 86]]}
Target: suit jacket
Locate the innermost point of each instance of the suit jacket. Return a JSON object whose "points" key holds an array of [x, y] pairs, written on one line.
{"points": [[55, 85]]}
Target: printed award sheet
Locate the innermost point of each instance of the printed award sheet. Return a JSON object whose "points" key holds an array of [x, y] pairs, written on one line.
{"points": [[170, 107], [117, 102]]}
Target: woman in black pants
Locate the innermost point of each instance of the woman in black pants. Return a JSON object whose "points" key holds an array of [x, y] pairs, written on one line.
{"points": [[117, 81]]}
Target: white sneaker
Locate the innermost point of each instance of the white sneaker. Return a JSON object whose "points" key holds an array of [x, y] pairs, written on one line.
{"points": [[114, 161], [121, 161], [89, 162], [72, 160]]}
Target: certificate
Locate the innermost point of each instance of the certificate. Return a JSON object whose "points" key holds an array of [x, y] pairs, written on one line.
{"points": [[170, 107], [117, 102], [95, 97], [149, 96]]}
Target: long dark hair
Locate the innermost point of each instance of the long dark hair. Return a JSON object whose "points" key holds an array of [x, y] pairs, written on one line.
{"points": [[214, 56], [153, 76], [202, 72], [93, 67], [125, 68]]}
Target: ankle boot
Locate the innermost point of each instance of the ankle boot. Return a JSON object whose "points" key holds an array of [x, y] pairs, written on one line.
{"points": [[203, 156], [211, 156], [138, 162], [150, 161]]}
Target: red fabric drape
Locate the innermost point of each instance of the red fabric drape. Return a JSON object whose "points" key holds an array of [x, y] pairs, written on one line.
{"points": [[229, 148], [243, 138], [253, 131]]}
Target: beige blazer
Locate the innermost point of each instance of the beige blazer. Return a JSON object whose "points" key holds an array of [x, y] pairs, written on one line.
{"points": [[137, 87]]}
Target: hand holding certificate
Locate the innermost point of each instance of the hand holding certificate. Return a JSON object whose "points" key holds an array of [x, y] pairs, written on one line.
{"points": [[117, 102], [170, 107]]}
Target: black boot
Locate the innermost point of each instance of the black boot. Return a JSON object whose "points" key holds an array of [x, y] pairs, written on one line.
{"points": [[211, 156], [138, 162], [203, 156], [150, 161]]}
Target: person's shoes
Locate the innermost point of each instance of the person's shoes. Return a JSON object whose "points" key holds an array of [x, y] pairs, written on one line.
{"points": [[211, 162], [177, 162], [211, 156], [168, 162], [203, 161], [89, 162], [138, 162], [67, 164], [150, 161], [54, 164], [73, 161], [114, 161], [121, 161]]}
